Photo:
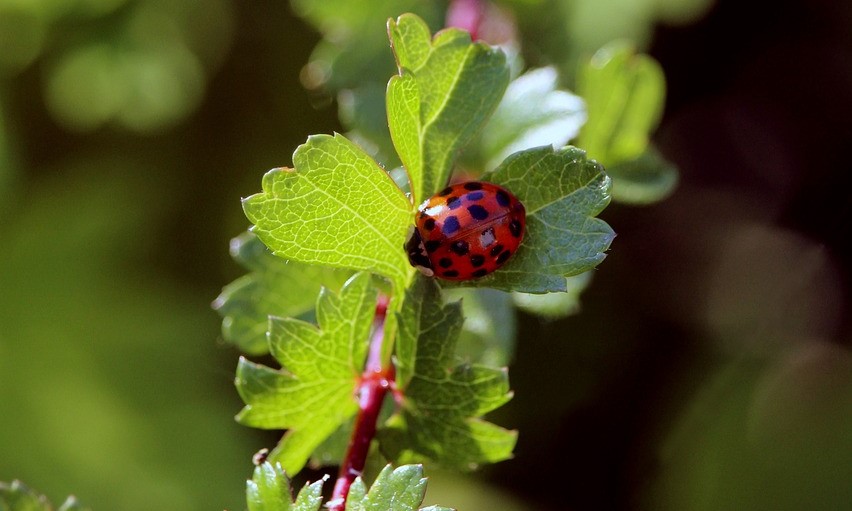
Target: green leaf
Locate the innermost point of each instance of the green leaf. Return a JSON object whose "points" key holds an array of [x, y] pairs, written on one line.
{"points": [[563, 192], [400, 489], [446, 90], [533, 113], [269, 490], [625, 94], [18, 497], [488, 334], [644, 180], [313, 394], [353, 49], [337, 208], [555, 305], [275, 287], [439, 417]]}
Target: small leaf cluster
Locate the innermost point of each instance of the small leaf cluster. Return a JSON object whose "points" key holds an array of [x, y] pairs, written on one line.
{"points": [[16, 496], [400, 489]]}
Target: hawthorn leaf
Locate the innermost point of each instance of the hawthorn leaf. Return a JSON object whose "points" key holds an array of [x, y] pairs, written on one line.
{"points": [[352, 51], [647, 179], [625, 94], [488, 334], [16, 496], [312, 394], [533, 113], [446, 90], [555, 305], [274, 287], [269, 489], [439, 419], [562, 191], [336, 208], [400, 489]]}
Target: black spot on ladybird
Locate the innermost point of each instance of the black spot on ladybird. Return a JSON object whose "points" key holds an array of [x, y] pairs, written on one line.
{"points": [[480, 272], [432, 245], [429, 224], [503, 198], [451, 273], [460, 247], [478, 212], [451, 225], [453, 203], [474, 196], [496, 249], [445, 262], [446, 191], [502, 257], [477, 260], [515, 228], [473, 185]]}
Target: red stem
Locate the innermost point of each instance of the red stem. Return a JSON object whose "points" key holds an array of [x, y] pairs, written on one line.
{"points": [[375, 383]]}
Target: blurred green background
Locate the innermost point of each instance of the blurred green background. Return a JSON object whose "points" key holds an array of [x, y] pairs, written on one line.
{"points": [[709, 367]]}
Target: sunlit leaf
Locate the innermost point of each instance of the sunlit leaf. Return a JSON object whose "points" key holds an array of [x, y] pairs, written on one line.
{"points": [[439, 417], [400, 489], [533, 113], [275, 287], [313, 393], [269, 489], [625, 93], [336, 208], [446, 90]]}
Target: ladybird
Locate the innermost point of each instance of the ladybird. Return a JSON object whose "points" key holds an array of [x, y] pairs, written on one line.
{"points": [[466, 231]]}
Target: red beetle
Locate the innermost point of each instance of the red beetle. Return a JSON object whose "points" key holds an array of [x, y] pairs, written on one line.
{"points": [[466, 231]]}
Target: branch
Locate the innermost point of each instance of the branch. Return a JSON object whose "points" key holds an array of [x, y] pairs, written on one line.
{"points": [[375, 383]]}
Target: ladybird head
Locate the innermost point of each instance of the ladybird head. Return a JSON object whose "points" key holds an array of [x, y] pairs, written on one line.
{"points": [[417, 255]]}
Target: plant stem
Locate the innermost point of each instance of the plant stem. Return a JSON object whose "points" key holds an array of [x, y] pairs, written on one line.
{"points": [[375, 383]]}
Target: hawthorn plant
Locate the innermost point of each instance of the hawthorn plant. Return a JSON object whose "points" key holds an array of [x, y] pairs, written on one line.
{"points": [[367, 348], [376, 364]]}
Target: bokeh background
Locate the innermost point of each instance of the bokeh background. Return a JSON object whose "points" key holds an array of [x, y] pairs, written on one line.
{"points": [[709, 367]]}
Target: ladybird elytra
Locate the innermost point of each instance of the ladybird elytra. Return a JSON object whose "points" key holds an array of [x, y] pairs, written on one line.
{"points": [[466, 231]]}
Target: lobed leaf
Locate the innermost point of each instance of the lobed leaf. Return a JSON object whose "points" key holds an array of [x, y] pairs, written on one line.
{"points": [[400, 489], [446, 89], [274, 287], [555, 305], [488, 334], [532, 113], [269, 490], [312, 394], [563, 192], [438, 419], [336, 208], [644, 180], [625, 94]]}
